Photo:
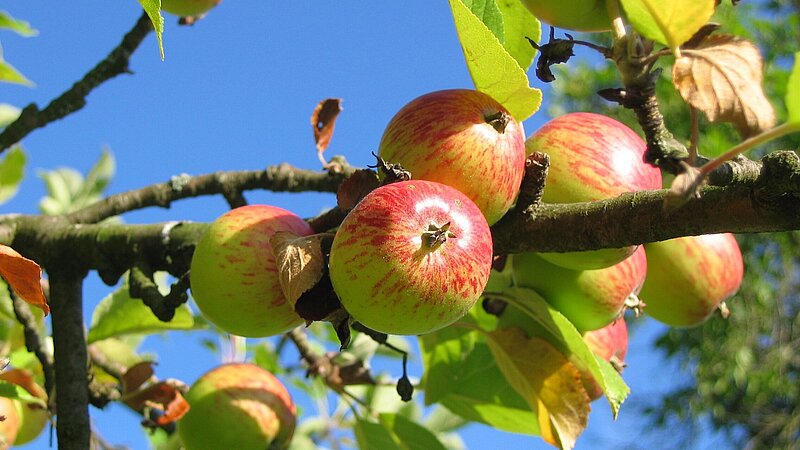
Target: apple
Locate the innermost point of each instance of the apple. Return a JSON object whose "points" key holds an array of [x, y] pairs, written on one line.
{"points": [[411, 257], [28, 418], [690, 276], [590, 299], [578, 15], [462, 138], [234, 277], [188, 8], [239, 406], [9, 427], [609, 343], [592, 157]]}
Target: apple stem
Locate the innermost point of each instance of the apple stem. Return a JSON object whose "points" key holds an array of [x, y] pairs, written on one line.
{"points": [[435, 235], [498, 121]]}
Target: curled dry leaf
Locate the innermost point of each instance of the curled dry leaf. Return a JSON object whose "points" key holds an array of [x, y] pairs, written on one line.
{"points": [[136, 376], [300, 262], [323, 120], [355, 187], [24, 276], [163, 395], [547, 380], [721, 76]]}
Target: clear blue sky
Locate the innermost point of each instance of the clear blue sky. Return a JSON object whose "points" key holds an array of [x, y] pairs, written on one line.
{"points": [[235, 92]]}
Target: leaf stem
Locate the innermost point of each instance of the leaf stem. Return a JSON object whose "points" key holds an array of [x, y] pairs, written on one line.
{"points": [[761, 138]]}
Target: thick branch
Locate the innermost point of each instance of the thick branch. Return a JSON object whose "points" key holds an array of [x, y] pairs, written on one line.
{"points": [[280, 178], [74, 99], [72, 394]]}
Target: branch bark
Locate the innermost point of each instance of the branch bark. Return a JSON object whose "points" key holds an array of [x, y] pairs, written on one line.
{"points": [[72, 394], [116, 63]]}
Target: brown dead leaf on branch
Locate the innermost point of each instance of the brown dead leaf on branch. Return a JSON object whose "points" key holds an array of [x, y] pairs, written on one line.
{"points": [[24, 276], [323, 119], [722, 76], [300, 262]]}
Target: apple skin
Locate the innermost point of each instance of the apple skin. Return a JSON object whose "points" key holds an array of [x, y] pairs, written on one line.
{"points": [[609, 343], [445, 136], [10, 426], [578, 15], [234, 277], [187, 8], [690, 276], [389, 279], [239, 406], [590, 299], [592, 157]]}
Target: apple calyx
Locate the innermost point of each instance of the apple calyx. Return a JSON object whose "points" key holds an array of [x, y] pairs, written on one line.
{"points": [[498, 120], [635, 304], [436, 235]]}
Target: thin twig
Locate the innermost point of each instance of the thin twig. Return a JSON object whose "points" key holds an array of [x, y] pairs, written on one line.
{"points": [[35, 343]]}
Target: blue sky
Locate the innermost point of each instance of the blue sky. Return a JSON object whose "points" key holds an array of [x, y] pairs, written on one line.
{"points": [[235, 93]]}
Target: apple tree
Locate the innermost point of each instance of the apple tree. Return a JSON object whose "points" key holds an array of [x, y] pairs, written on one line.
{"points": [[517, 259]]}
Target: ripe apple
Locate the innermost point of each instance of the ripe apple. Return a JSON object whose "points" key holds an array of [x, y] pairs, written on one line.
{"points": [[578, 15], [411, 257], [690, 276], [464, 139], [609, 343], [234, 277], [239, 406], [10, 426], [592, 157], [188, 8], [590, 299], [28, 418]]}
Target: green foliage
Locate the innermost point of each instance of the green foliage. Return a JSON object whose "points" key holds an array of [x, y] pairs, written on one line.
{"points": [[670, 23], [153, 10], [493, 70], [12, 170], [793, 92], [68, 191], [8, 114], [20, 27]]}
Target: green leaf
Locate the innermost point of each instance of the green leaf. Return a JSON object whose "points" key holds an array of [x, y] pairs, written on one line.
{"points": [[118, 314], [153, 10], [16, 392], [96, 180], [409, 434], [494, 71], [442, 420], [8, 114], [10, 75], [669, 22], [519, 23], [371, 435], [12, 170], [488, 13], [461, 375], [19, 26], [69, 191], [793, 92], [560, 332]]}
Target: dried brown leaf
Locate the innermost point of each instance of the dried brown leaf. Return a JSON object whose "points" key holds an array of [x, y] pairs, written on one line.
{"points": [[24, 276], [684, 187], [722, 77], [323, 120], [300, 262], [157, 395], [136, 376], [355, 187]]}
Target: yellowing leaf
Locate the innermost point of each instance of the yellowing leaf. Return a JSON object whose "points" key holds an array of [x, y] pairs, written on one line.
{"points": [[793, 91], [493, 70], [669, 22], [24, 276], [300, 262], [722, 77], [547, 380]]}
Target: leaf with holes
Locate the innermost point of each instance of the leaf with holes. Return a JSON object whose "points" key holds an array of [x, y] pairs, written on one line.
{"points": [[722, 77], [323, 120], [546, 380], [672, 22]]}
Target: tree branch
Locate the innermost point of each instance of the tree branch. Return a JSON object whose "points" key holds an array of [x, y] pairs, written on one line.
{"points": [[35, 344], [280, 178], [74, 99], [72, 393]]}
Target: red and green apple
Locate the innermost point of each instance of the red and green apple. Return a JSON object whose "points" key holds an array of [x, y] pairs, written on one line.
{"points": [[411, 257]]}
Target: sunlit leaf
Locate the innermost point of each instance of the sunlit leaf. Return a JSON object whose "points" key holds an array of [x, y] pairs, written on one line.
{"points": [[793, 91], [21, 27], [493, 70], [8, 114], [12, 169], [722, 77], [547, 380], [118, 314], [11, 75], [409, 434], [24, 276], [519, 24], [669, 22], [488, 13], [153, 10], [372, 435]]}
